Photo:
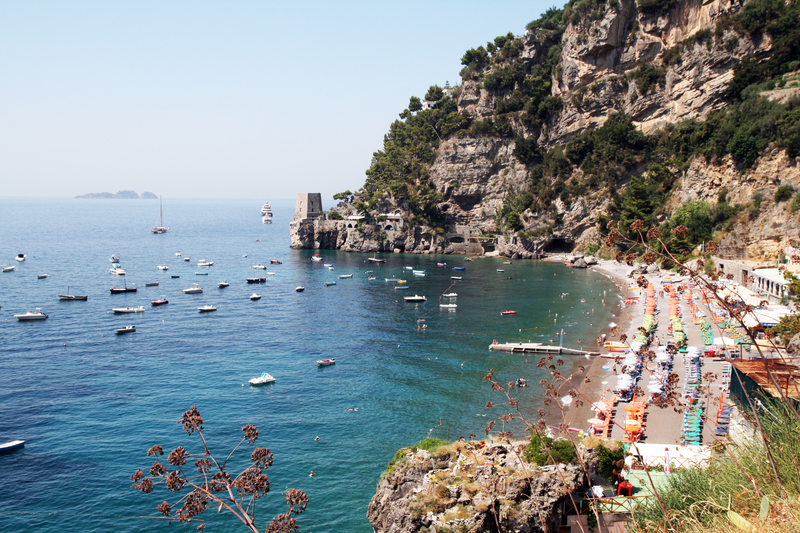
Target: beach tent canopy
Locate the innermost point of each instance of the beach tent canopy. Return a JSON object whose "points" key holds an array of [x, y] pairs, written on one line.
{"points": [[724, 341]]}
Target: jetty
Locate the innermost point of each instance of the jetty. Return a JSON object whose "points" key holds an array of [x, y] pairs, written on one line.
{"points": [[536, 347]]}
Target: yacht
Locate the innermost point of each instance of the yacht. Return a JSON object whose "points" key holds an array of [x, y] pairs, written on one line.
{"points": [[194, 289], [223, 284], [160, 228], [207, 308], [32, 315], [266, 213], [116, 271]]}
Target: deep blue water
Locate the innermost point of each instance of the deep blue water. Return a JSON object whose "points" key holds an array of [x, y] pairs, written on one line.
{"points": [[89, 403]]}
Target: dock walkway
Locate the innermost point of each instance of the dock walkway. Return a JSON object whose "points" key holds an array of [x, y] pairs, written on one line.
{"points": [[536, 347]]}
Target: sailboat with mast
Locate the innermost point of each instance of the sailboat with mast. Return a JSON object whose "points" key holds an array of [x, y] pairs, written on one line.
{"points": [[160, 228]]}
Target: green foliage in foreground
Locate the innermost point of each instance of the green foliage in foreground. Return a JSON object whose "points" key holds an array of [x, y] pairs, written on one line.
{"points": [[542, 450], [701, 496]]}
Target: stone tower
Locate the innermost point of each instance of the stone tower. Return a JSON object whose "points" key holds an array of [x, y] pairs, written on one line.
{"points": [[309, 206]]}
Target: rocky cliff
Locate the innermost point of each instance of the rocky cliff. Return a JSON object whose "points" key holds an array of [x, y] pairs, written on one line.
{"points": [[506, 129], [471, 487]]}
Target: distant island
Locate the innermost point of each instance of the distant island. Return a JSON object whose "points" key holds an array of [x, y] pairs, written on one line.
{"points": [[126, 195]]}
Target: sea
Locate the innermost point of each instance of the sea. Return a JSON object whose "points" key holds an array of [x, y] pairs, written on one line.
{"points": [[89, 403]]}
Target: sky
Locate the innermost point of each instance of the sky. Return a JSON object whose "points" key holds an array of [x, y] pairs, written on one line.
{"points": [[239, 99]]}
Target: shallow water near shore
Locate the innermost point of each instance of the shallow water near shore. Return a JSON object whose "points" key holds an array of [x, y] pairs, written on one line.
{"points": [[89, 403]]}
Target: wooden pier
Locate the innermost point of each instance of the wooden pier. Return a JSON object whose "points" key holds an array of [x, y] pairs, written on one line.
{"points": [[537, 347]]}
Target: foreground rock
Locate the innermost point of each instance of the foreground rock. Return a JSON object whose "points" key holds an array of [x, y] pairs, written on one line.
{"points": [[471, 487]]}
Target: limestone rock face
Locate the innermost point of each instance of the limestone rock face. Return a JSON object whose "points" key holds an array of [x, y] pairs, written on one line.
{"points": [[468, 489]]}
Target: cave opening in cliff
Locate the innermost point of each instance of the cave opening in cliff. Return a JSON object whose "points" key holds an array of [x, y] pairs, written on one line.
{"points": [[559, 246]]}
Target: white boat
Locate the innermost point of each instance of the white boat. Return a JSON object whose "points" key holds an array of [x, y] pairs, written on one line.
{"points": [[163, 267], [10, 268], [266, 213], [72, 297], [186, 259], [207, 308], [345, 276], [327, 264], [263, 379], [418, 272], [126, 310], [116, 271], [409, 268], [326, 362], [316, 258], [177, 254], [330, 268], [194, 289], [500, 270], [223, 284], [299, 288], [260, 267], [448, 306], [41, 276], [32, 315], [114, 258], [450, 295], [270, 273], [204, 263], [457, 278], [415, 298], [401, 288], [160, 228], [20, 257], [10, 446], [255, 296], [126, 329], [329, 283]]}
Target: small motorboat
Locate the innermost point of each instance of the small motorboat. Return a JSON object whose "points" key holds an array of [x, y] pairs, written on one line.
{"points": [[37, 314], [11, 446], [276, 261], [20, 257], [41, 276], [204, 263], [316, 258], [263, 379], [450, 294], [345, 276], [329, 283], [163, 267], [509, 312], [401, 288], [126, 310], [120, 290], [389, 280], [114, 258], [415, 298], [441, 264], [256, 280], [418, 273], [507, 263], [255, 296], [327, 264], [459, 268], [208, 308], [10, 268], [448, 306], [177, 254], [126, 329], [457, 278], [201, 273], [409, 268], [299, 288], [326, 362], [375, 260], [223, 284], [330, 268], [70, 297], [186, 259], [270, 273], [244, 255], [116, 271], [500, 270], [194, 289], [260, 267], [162, 301], [151, 284]]}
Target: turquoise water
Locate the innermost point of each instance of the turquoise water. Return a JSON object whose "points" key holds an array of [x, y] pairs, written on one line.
{"points": [[89, 403]]}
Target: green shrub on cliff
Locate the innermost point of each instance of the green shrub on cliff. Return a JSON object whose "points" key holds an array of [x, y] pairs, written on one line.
{"points": [[543, 450]]}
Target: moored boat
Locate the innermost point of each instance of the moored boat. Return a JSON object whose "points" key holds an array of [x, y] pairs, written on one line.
{"points": [[509, 312], [194, 289], [204, 263], [329, 283], [160, 228], [162, 301], [114, 258], [255, 296], [126, 329], [326, 362], [128, 310], [459, 268], [116, 271], [41, 276], [10, 268], [276, 261], [450, 294], [448, 306], [70, 297], [162, 267], [120, 290], [208, 308], [457, 278], [345, 276], [256, 280], [37, 314], [223, 284], [263, 379], [151, 284], [20, 257], [415, 298], [11, 446], [299, 288]]}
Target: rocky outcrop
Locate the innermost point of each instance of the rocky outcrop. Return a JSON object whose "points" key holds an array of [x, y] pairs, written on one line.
{"points": [[471, 487]]}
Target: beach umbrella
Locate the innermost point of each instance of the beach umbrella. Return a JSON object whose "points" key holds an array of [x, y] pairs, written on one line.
{"points": [[724, 341], [594, 421]]}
